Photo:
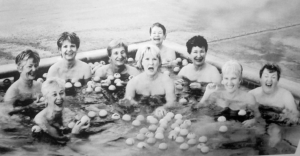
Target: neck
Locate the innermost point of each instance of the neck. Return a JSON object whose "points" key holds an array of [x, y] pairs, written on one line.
{"points": [[26, 83], [232, 95], [199, 67], [151, 77], [159, 45], [69, 63], [272, 93], [117, 69]]}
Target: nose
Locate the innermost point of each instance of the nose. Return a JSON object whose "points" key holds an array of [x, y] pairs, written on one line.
{"points": [[119, 55], [34, 68]]}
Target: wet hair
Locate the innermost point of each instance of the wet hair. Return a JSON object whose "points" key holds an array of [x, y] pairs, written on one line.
{"points": [[117, 44], [51, 83], [233, 66], [25, 55], [160, 26], [272, 67], [196, 41], [148, 49], [70, 36]]}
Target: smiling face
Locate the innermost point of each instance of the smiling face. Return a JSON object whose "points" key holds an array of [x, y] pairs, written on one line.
{"points": [[269, 81], [150, 63], [198, 55], [68, 50], [55, 98], [118, 56], [157, 35], [29, 69], [231, 81]]}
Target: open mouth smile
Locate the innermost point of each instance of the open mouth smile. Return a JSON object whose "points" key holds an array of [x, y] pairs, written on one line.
{"points": [[58, 102]]}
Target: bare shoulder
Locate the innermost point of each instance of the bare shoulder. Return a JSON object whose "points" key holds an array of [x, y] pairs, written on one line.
{"points": [[166, 79], [40, 117], [102, 71], [284, 92], [212, 68], [54, 68], [132, 70], [249, 98], [12, 92], [255, 91], [83, 64]]}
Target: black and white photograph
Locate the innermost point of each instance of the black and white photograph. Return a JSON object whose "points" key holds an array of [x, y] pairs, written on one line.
{"points": [[149, 77]]}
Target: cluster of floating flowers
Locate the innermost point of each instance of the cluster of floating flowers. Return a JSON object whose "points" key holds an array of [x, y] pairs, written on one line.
{"points": [[174, 126]]}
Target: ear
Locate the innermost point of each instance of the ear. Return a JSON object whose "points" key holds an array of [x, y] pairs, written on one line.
{"points": [[20, 68]]}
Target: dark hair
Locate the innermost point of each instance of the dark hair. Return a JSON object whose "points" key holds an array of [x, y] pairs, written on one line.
{"points": [[272, 67], [27, 54], [116, 44], [72, 37], [196, 41], [158, 25]]}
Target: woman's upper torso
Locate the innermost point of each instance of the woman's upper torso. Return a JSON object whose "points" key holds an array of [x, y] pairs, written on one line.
{"points": [[106, 70], [80, 70], [208, 74]]}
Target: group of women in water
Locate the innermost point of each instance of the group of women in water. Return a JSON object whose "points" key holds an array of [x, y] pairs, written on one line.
{"points": [[148, 79]]}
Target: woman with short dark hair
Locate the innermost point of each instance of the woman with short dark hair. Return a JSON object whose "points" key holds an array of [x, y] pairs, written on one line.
{"points": [[69, 67]]}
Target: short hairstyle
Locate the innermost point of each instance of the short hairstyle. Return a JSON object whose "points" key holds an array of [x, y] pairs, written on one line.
{"points": [[70, 36], [272, 67], [160, 26], [233, 66], [196, 41], [25, 55], [117, 44], [50, 83], [148, 49]]}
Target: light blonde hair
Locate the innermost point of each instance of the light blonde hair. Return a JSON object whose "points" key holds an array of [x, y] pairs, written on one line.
{"points": [[233, 66], [51, 83], [153, 50]]}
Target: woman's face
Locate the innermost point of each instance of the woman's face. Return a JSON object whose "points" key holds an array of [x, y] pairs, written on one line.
{"points": [[231, 81], [28, 72], [198, 55], [157, 35], [118, 56], [269, 81], [55, 97], [68, 50], [150, 63]]}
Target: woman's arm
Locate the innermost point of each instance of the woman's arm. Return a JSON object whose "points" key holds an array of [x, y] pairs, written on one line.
{"points": [[252, 104], [170, 93]]}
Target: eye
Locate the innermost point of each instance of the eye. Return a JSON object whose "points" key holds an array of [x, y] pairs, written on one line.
{"points": [[73, 45]]}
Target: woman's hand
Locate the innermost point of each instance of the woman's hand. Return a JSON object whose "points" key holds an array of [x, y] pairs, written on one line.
{"points": [[210, 88], [160, 112], [249, 123], [179, 81], [195, 85]]}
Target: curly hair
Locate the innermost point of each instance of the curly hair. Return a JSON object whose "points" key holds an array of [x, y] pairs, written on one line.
{"points": [[70, 36]]}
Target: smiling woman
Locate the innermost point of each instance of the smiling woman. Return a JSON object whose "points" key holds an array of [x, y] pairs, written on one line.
{"points": [[117, 52], [25, 90], [69, 67]]}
